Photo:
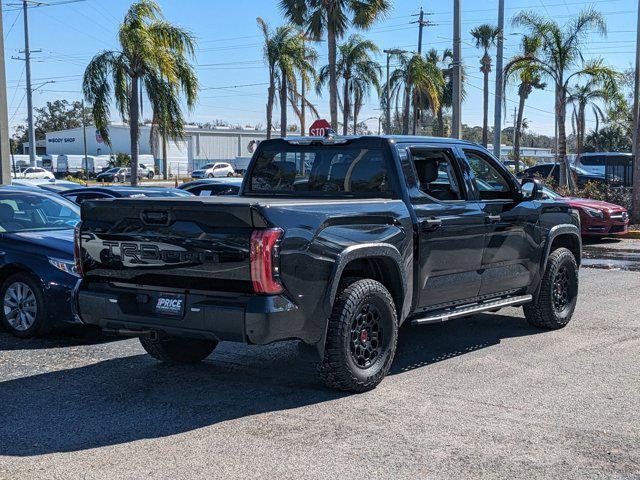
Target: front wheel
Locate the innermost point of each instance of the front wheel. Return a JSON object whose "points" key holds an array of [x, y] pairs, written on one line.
{"points": [[176, 350], [24, 313], [556, 302], [361, 337]]}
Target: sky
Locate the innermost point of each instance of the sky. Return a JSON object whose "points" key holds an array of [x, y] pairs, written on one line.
{"points": [[229, 60]]}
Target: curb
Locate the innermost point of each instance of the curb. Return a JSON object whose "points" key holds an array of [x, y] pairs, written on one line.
{"points": [[632, 234]]}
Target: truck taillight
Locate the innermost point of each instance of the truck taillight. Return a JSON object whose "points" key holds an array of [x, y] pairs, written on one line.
{"points": [[264, 261], [77, 252]]}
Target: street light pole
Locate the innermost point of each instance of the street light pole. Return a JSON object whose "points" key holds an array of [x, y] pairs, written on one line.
{"points": [[389, 52], [497, 123], [456, 72], [636, 128], [5, 165]]}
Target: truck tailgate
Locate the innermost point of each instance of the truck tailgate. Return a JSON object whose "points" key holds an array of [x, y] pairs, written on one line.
{"points": [[184, 244]]}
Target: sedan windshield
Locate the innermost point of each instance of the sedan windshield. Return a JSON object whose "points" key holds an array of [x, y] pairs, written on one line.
{"points": [[112, 170], [26, 212]]}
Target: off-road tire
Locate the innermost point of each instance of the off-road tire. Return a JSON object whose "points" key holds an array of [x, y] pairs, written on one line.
{"points": [[338, 368], [176, 350], [541, 312], [41, 325]]}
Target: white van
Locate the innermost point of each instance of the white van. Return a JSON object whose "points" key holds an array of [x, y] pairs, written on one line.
{"points": [[595, 163], [75, 163]]}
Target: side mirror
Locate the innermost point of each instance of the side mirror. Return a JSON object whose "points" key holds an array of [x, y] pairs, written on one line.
{"points": [[531, 189]]}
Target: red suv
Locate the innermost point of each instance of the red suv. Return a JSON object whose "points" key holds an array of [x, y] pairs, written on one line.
{"points": [[597, 218]]}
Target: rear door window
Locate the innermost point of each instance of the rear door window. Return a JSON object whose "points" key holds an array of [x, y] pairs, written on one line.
{"points": [[321, 171]]}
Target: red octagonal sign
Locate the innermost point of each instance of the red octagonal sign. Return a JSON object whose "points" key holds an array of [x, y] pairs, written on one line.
{"points": [[319, 128]]}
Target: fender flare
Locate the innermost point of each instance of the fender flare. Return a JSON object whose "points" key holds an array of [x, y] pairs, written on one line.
{"points": [[555, 231], [356, 252]]}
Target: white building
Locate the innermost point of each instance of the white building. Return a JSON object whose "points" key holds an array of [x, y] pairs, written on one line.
{"points": [[198, 147], [540, 154]]}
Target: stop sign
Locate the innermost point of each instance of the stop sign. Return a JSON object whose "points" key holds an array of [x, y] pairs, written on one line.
{"points": [[319, 128]]}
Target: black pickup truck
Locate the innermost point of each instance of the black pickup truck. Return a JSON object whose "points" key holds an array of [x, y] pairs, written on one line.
{"points": [[336, 242]]}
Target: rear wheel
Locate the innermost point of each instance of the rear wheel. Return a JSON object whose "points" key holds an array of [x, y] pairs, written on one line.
{"points": [[230, 174], [176, 350], [211, 175], [24, 310], [556, 302], [361, 337]]}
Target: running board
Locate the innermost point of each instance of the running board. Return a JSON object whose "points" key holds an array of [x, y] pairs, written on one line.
{"points": [[443, 316]]}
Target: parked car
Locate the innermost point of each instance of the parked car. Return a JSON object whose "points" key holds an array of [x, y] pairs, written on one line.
{"points": [[114, 175], [145, 171], [34, 172], [552, 170], [80, 195], [374, 233], [210, 187], [37, 267], [211, 170], [597, 218]]}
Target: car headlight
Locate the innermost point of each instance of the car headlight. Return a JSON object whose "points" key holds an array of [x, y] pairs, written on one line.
{"points": [[68, 266], [592, 212]]}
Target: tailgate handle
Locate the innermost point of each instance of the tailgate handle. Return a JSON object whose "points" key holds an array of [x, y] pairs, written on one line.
{"points": [[155, 217]]}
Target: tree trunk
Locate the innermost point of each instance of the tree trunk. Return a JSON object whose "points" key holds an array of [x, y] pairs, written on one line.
{"points": [[333, 77], [303, 108], [440, 118], [582, 126], [134, 129], [271, 93], [355, 120], [485, 113], [518, 133], [283, 104], [165, 160], [346, 107], [561, 115], [407, 106]]}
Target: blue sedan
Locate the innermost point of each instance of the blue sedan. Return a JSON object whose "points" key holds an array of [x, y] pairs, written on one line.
{"points": [[37, 268]]}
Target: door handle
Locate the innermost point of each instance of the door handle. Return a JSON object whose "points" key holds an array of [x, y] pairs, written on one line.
{"points": [[493, 218], [431, 224]]}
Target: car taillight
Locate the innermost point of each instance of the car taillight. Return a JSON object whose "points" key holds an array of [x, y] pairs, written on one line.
{"points": [[264, 261], [77, 253]]}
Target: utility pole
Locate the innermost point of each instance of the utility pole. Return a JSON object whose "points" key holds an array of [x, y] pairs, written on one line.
{"points": [[497, 123], [389, 52], [27, 61], [636, 128], [456, 72], [421, 24], [5, 164]]}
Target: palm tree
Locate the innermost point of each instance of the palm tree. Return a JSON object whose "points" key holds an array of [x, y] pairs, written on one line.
{"points": [[560, 54], [583, 96], [530, 77], [416, 78], [485, 37], [332, 18], [358, 71], [154, 54], [270, 53], [444, 61]]}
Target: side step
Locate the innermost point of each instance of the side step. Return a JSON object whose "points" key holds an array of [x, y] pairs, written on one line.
{"points": [[444, 315]]}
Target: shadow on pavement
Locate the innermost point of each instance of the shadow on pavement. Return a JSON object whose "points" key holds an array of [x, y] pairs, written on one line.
{"points": [[130, 398], [68, 337]]}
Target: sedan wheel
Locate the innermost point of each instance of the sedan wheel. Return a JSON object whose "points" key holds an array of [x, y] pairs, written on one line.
{"points": [[24, 313], [20, 306]]}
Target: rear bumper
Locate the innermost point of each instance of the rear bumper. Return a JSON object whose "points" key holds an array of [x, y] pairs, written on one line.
{"points": [[249, 319]]}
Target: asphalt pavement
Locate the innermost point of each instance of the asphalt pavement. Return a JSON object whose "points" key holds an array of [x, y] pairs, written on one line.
{"points": [[486, 397]]}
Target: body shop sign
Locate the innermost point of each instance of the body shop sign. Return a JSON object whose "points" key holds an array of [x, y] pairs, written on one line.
{"points": [[61, 140]]}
